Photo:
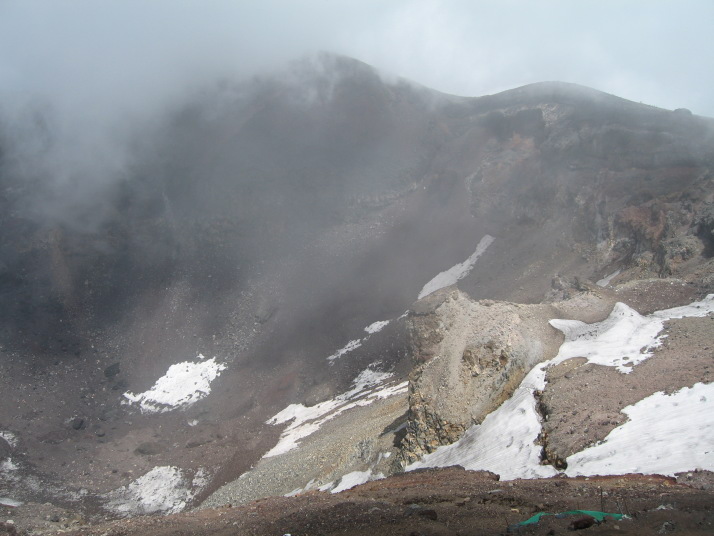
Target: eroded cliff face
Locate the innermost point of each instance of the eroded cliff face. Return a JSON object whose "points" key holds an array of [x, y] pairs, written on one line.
{"points": [[468, 358]]}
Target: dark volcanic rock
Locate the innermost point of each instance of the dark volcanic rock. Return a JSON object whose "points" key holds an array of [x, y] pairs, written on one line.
{"points": [[77, 423], [112, 370], [5, 449]]}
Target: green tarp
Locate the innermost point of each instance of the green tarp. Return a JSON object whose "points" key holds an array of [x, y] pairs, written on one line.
{"points": [[599, 516]]}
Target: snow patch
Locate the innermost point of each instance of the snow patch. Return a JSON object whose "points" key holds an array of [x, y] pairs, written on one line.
{"points": [[11, 503], [503, 443], [625, 338], [665, 434], [355, 478], [390, 390], [200, 479], [305, 421], [312, 485], [695, 309], [365, 380], [10, 438], [457, 272], [297, 491], [347, 481], [164, 489], [376, 327], [183, 385], [605, 281], [352, 345], [8, 466]]}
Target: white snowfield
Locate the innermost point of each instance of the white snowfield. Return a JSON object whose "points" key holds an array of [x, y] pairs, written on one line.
{"points": [[623, 339], [665, 434], [352, 345], [347, 481], [164, 489], [10, 438], [183, 385], [503, 443], [457, 272], [7, 467], [367, 387]]}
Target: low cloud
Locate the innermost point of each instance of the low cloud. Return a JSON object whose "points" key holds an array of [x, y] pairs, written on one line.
{"points": [[79, 79]]}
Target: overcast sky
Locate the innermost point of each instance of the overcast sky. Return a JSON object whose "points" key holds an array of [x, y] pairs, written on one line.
{"points": [[657, 52], [98, 64]]}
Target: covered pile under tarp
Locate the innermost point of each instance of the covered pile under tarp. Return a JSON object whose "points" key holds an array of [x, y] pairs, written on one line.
{"points": [[599, 517]]}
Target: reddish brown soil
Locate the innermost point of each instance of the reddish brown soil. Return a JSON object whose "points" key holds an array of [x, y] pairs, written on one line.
{"points": [[447, 502]]}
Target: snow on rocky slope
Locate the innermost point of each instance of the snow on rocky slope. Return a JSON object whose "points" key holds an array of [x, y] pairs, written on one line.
{"points": [[183, 385], [507, 441], [164, 490], [457, 272], [303, 421], [665, 434], [331, 446]]}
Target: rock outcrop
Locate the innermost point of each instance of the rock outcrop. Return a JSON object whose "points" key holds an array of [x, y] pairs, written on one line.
{"points": [[469, 357]]}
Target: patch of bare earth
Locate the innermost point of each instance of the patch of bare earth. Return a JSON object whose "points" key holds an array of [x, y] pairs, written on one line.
{"points": [[650, 295]]}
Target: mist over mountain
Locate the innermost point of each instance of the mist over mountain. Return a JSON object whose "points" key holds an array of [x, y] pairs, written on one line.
{"points": [[276, 223]]}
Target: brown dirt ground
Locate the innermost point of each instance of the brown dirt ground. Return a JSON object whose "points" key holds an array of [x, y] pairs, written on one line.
{"points": [[447, 501], [650, 295]]}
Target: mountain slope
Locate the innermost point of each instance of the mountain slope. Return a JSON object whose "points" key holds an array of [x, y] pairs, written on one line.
{"points": [[267, 223]]}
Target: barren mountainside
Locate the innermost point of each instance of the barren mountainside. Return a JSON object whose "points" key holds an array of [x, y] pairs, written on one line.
{"points": [[317, 278]]}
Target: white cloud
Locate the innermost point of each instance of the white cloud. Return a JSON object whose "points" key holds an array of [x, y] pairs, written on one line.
{"points": [[125, 49]]}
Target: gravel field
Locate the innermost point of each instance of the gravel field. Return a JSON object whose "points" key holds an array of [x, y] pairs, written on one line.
{"points": [[356, 440]]}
